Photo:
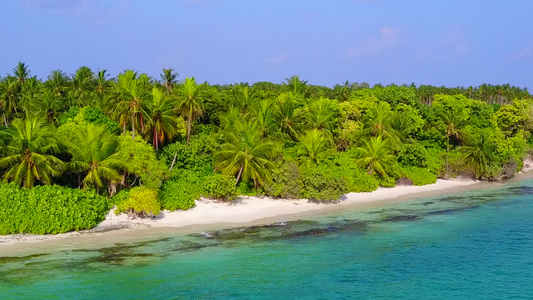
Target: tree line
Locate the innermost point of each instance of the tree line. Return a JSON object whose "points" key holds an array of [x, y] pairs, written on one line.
{"points": [[185, 139]]}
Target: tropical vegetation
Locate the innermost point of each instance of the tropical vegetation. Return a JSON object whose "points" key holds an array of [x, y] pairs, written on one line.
{"points": [[146, 144]]}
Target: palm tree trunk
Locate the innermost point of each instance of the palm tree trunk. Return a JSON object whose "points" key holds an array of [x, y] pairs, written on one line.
{"points": [[239, 175], [447, 155], [173, 162], [133, 126], [189, 127], [156, 139]]}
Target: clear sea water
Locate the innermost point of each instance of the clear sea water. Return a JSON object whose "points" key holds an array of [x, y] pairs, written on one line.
{"points": [[469, 245]]}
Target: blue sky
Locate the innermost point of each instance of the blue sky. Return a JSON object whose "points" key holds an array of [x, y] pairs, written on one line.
{"points": [[439, 42]]}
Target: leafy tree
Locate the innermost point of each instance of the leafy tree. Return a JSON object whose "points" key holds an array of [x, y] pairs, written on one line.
{"points": [[93, 150], [83, 83], [162, 121], [245, 154], [323, 114], [374, 156], [190, 103], [244, 97], [169, 78], [288, 119], [295, 85], [48, 105], [379, 120], [480, 152], [127, 106], [263, 114], [314, 148], [141, 164], [31, 153]]}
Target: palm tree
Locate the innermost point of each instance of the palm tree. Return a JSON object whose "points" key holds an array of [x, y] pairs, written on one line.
{"points": [[30, 153], [321, 114], [374, 156], [48, 104], [162, 121], [83, 83], [58, 82], [314, 147], [127, 106], [263, 114], [480, 151], [295, 85], [190, 104], [287, 117], [232, 119], [245, 96], [21, 72], [10, 98], [101, 81], [453, 123], [245, 154], [93, 150], [379, 122], [169, 79]]}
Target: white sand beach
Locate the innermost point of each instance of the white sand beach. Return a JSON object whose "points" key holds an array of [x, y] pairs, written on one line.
{"points": [[247, 210]]}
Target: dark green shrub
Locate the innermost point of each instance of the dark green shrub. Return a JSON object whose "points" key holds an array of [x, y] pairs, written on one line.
{"points": [[419, 176], [413, 155], [357, 179], [141, 161], [360, 181], [49, 209], [435, 160], [320, 184], [89, 115], [141, 201], [176, 195], [180, 191], [286, 181], [387, 181], [221, 187]]}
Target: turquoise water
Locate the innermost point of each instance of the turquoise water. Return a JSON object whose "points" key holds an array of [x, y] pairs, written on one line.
{"points": [[470, 245]]}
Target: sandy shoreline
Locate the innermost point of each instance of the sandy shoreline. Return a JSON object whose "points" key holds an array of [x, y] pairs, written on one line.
{"points": [[210, 214]]}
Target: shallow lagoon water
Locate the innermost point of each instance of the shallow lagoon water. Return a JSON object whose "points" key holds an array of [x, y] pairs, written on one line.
{"points": [[468, 245]]}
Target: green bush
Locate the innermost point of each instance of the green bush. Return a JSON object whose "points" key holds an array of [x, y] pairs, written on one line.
{"points": [[414, 155], [180, 191], [286, 181], [357, 179], [140, 200], [186, 157], [90, 115], [220, 187], [49, 209], [435, 160], [387, 182], [360, 181], [141, 161], [320, 184], [419, 176]]}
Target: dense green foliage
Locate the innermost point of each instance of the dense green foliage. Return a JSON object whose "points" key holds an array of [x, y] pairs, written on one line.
{"points": [[177, 141], [48, 209], [222, 187], [140, 200]]}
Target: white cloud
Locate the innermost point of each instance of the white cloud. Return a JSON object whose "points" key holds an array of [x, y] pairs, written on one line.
{"points": [[279, 59], [525, 53], [388, 38]]}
